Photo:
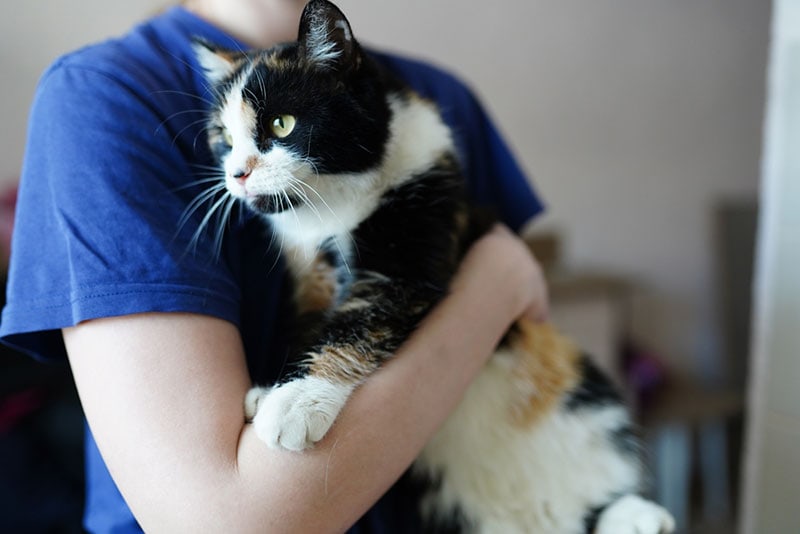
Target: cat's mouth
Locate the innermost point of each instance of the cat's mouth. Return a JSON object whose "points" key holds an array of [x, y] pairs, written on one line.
{"points": [[273, 203]]}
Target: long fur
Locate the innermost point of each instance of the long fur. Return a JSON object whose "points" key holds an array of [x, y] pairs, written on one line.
{"points": [[367, 198]]}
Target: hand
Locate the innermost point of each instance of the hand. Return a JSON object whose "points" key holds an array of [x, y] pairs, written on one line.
{"points": [[501, 260]]}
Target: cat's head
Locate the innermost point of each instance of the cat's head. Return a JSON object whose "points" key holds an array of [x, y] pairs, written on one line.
{"points": [[295, 120]]}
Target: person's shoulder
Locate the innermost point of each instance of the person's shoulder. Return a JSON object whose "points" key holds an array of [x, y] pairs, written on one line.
{"points": [[425, 76], [414, 66], [133, 58], [109, 57]]}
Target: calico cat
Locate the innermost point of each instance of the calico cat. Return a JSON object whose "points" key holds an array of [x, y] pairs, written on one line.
{"points": [[358, 176]]}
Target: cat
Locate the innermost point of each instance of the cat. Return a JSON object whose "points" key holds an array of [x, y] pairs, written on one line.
{"points": [[359, 178]]}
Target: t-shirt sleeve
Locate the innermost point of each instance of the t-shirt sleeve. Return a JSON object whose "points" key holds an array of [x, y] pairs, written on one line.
{"points": [[493, 174], [96, 231]]}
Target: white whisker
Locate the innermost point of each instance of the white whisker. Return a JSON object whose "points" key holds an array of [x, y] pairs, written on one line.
{"points": [[279, 255], [348, 235], [202, 226], [197, 202], [295, 186], [211, 89], [177, 114], [222, 224], [290, 207], [212, 178], [261, 82], [183, 93], [191, 124], [207, 167]]}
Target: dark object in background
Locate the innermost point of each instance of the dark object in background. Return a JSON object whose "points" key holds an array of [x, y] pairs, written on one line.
{"points": [[41, 446]]}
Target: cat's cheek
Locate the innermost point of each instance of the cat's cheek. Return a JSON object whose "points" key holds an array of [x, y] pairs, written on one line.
{"points": [[297, 414]]}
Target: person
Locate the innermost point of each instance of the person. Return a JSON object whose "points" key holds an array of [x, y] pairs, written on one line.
{"points": [[164, 341]]}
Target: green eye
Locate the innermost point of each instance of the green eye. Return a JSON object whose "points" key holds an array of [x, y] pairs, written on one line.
{"points": [[227, 137], [282, 125]]}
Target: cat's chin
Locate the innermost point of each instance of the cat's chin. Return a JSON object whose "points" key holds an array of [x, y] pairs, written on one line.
{"points": [[272, 203]]}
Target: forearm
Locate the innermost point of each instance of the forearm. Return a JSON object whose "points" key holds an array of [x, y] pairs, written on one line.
{"points": [[183, 470]]}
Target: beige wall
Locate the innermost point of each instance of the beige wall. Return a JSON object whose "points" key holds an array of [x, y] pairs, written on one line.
{"points": [[773, 445], [32, 34], [633, 116]]}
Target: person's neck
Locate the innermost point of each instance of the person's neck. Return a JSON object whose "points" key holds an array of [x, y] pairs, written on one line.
{"points": [[259, 23]]}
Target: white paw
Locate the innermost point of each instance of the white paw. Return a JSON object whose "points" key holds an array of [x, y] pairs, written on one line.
{"points": [[297, 414], [251, 401], [633, 515]]}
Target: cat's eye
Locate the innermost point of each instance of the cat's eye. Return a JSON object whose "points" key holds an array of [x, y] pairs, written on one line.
{"points": [[227, 137], [282, 125]]}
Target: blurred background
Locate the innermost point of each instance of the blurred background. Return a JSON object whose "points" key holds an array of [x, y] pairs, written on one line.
{"points": [[657, 131]]}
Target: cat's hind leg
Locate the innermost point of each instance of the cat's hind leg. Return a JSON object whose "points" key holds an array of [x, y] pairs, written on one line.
{"points": [[631, 514]]}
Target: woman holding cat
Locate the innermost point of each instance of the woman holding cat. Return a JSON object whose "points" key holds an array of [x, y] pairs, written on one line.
{"points": [[163, 340]]}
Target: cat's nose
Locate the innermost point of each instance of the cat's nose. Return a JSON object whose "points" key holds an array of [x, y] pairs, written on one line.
{"points": [[240, 175]]}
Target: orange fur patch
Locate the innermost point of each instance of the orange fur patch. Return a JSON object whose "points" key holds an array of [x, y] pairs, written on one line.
{"points": [[315, 284], [548, 362], [274, 62], [340, 364]]}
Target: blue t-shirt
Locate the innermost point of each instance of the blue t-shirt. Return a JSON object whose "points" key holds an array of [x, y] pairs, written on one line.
{"points": [[116, 153]]}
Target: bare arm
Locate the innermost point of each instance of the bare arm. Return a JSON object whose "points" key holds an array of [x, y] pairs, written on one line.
{"points": [[163, 395]]}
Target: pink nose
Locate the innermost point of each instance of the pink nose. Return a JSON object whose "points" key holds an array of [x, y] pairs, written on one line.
{"points": [[240, 175]]}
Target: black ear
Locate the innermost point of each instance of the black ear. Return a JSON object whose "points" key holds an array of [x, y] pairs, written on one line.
{"points": [[326, 38], [217, 63]]}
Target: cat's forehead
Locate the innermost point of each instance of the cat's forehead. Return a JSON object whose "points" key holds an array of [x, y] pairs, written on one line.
{"points": [[279, 58], [270, 74]]}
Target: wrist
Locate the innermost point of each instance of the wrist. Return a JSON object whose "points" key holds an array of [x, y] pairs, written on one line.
{"points": [[505, 275]]}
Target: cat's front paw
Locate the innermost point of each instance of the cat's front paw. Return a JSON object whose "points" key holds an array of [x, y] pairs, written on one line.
{"points": [[297, 414], [631, 514], [252, 400]]}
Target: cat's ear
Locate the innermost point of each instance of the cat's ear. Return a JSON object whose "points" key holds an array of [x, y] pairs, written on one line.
{"points": [[217, 63], [326, 38]]}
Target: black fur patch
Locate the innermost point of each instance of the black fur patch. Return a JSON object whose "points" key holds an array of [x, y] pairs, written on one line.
{"points": [[591, 518], [399, 240], [627, 441], [594, 390], [454, 521]]}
